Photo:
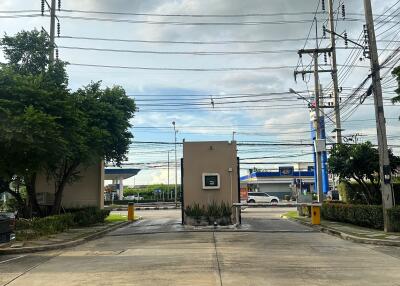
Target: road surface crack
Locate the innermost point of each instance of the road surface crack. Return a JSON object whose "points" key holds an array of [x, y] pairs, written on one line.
{"points": [[216, 255]]}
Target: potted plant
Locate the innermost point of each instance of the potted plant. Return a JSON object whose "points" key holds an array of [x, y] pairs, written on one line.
{"points": [[213, 212], [195, 215]]}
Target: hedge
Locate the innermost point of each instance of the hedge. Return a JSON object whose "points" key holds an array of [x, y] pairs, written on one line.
{"points": [[355, 194], [361, 215], [88, 216], [36, 227], [394, 216]]}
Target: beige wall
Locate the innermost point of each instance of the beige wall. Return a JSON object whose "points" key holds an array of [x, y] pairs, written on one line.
{"points": [[209, 157], [88, 191]]}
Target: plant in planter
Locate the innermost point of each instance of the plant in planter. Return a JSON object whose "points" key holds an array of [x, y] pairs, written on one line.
{"points": [[226, 214], [195, 215], [213, 212]]}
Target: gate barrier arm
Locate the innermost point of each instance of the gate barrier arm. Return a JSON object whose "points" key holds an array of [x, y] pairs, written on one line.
{"points": [[315, 209]]}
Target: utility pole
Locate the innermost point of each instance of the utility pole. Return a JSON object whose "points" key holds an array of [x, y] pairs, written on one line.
{"points": [[318, 130], [52, 29], [168, 174], [384, 163], [336, 100], [176, 166], [319, 143]]}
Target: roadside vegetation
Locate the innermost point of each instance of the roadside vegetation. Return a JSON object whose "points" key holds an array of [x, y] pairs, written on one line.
{"points": [[116, 218], [27, 229], [48, 129], [214, 213], [357, 167]]}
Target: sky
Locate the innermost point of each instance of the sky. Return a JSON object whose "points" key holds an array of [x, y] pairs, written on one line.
{"points": [[177, 57]]}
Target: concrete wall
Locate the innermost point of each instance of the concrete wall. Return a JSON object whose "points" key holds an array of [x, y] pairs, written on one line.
{"points": [[210, 157], [88, 191]]}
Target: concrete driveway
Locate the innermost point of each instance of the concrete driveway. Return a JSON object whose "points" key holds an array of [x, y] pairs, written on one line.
{"points": [[158, 251]]}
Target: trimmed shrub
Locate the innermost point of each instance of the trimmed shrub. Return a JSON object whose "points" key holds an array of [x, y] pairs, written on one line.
{"points": [[394, 216], [352, 193], [361, 215], [36, 227], [89, 216]]}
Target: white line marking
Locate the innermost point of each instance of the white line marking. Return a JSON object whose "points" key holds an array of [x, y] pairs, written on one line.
{"points": [[11, 259]]}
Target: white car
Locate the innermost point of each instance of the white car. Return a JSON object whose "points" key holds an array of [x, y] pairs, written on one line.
{"points": [[258, 197], [133, 198]]}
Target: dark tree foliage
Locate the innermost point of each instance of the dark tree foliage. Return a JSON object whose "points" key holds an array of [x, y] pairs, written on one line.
{"points": [[360, 162], [47, 129]]}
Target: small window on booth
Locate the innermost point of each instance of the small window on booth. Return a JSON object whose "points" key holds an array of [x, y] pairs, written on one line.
{"points": [[211, 181]]}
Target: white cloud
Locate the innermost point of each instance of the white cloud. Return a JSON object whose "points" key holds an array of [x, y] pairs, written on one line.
{"points": [[163, 82]]}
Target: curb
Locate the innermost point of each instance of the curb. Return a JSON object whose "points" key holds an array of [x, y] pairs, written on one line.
{"points": [[147, 208], [346, 236], [62, 245], [155, 208]]}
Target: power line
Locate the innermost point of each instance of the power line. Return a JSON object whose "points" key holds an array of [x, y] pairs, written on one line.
{"points": [[190, 69], [220, 42], [233, 125], [184, 69], [191, 15], [180, 23], [305, 13], [205, 53]]}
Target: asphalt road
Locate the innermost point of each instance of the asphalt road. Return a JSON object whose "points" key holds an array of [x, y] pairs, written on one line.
{"points": [[159, 251]]}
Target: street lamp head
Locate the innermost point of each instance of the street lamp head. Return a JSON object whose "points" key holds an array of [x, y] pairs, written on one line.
{"points": [[173, 123], [291, 90]]}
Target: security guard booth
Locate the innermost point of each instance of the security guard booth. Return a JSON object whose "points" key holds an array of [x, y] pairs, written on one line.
{"points": [[210, 173]]}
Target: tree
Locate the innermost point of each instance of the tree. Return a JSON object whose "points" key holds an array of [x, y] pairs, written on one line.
{"points": [[360, 162], [46, 128], [98, 129], [31, 136], [27, 52]]}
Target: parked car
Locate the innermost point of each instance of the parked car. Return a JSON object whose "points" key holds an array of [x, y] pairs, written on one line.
{"points": [[133, 198], [332, 195], [258, 197], [7, 227]]}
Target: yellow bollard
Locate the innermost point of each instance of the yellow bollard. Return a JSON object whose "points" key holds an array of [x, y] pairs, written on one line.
{"points": [[315, 215], [131, 211]]}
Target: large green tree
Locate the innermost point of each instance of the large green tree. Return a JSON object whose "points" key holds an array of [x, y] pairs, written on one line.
{"points": [[31, 134], [360, 162], [47, 129], [99, 129]]}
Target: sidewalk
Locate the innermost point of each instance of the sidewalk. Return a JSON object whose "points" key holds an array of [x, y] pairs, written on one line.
{"points": [[349, 232], [71, 237]]}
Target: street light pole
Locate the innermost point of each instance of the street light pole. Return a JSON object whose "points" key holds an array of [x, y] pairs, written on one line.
{"points": [[168, 175], [176, 166]]}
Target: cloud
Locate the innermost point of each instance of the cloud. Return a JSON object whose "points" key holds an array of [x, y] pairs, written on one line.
{"points": [[271, 119]]}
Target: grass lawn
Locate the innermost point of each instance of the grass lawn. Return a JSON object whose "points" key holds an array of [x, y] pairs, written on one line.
{"points": [[116, 218], [291, 214]]}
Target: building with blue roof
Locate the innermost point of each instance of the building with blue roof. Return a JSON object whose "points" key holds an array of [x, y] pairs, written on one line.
{"points": [[284, 180]]}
